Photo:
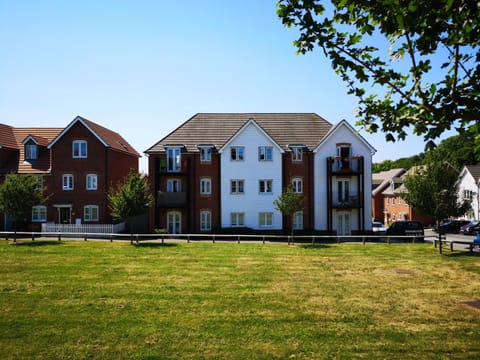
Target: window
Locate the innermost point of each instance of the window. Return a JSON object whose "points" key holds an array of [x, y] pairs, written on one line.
{"points": [[67, 182], [237, 153], [90, 213], [205, 220], [343, 154], [205, 154], [39, 213], [237, 186], [237, 219], [39, 185], [387, 200], [265, 153], [79, 149], [174, 185], [265, 219], [92, 182], [298, 220], [297, 154], [174, 160], [468, 194], [343, 193], [205, 186], [265, 186], [297, 185], [31, 152]]}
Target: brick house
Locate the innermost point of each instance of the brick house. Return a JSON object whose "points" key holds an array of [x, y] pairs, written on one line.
{"points": [[221, 171], [380, 182], [76, 164]]}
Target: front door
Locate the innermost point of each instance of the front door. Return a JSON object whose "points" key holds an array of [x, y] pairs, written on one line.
{"points": [[174, 222], [343, 224], [64, 214]]}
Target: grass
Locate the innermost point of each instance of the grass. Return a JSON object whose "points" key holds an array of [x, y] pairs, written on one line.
{"points": [[101, 300]]}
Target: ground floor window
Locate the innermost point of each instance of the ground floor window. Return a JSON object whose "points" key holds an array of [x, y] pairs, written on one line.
{"points": [[90, 213], [298, 220], [237, 219], [174, 222], [39, 213], [265, 219], [205, 220]]}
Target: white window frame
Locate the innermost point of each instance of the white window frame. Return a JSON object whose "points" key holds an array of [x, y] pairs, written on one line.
{"points": [[343, 190], [298, 220], [237, 153], [205, 186], [265, 153], [79, 149], [265, 186], [205, 154], [265, 219], [174, 185], [205, 220], [31, 152], [174, 159], [88, 213], [237, 186], [39, 213], [297, 185], [297, 154], [91, 182], [67, 182], [237, 219]]}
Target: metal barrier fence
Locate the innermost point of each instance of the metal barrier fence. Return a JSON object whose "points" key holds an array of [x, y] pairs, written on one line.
{"points": [[238, 238]]}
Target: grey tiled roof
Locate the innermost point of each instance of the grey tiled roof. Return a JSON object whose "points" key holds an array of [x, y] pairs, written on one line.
{"points": [[217, 128]]}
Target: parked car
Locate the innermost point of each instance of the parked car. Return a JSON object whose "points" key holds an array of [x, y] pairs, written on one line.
{"points": [[407, 228], [452, 227], [378, 228], [471, 228]]}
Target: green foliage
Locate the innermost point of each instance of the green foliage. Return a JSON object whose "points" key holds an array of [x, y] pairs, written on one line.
{"points": [[130, 198], [433, 190], [422, 71], [18, 193], [289, 202], [405, 163]]}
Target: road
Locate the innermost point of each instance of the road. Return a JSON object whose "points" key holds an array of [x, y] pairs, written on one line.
{"points": [[429, 234]]}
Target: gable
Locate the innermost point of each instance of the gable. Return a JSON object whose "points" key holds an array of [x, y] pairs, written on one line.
{"points": [[251, 125], [344, 132]]}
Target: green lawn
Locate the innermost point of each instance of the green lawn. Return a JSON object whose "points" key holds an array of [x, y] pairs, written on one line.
{"points": [[102, 300]]}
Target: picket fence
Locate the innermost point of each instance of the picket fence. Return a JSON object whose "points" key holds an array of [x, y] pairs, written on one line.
{"points": [[83, 228]]}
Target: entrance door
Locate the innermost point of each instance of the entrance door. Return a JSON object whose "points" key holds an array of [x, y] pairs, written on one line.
{"points": [[343, 224], [64, 214], [174, 222]]}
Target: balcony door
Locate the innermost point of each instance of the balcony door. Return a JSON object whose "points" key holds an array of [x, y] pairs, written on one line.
{"points": [[343, 224], [174, 222]]}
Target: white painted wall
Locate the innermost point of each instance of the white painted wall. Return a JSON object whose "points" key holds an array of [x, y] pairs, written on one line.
{"points": [[342, 134], [251, 171], [467, 182]]}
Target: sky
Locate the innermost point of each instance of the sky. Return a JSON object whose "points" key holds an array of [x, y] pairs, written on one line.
{"points": [[142, 68]]}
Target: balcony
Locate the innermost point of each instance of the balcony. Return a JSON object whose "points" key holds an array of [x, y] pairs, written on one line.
{"points": [[348, 165], [347, 202], [171, 199]]}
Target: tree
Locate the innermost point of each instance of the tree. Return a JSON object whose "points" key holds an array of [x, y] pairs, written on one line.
{"points": [[18, 193], [288, 203], [433, 190], [422, 72], [130, 198]]}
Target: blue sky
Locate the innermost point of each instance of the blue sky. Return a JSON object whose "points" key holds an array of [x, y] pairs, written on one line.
{"points": [[142, 68]]}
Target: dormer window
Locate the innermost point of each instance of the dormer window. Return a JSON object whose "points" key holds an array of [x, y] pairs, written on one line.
{"points": [[205, 153], [79, 149], [31, 151]]}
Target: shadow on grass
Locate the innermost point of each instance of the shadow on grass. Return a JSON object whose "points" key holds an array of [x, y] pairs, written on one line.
{"points": [[154, 245], [36, 243], [314, 246], [460, 254]]}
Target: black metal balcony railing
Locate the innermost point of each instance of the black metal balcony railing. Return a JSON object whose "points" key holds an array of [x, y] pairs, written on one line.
{"points": [[351, 201], [345, 165], [171, 199]]}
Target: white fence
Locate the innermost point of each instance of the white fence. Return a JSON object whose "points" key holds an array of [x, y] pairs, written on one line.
{"points": [[83, 228]]}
